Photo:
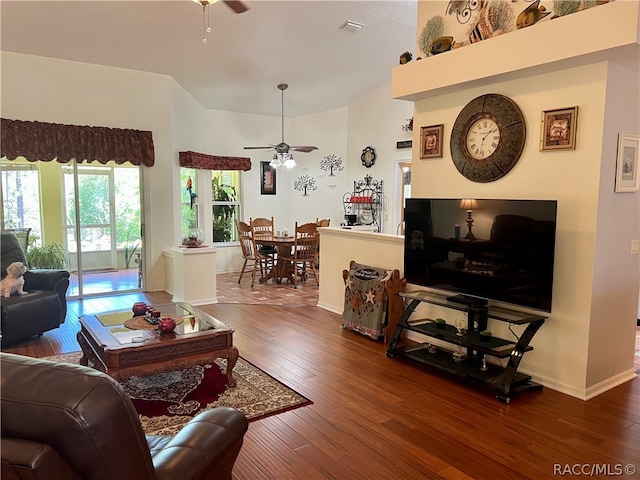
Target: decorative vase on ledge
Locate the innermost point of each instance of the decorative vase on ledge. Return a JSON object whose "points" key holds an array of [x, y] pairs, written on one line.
{"points": [[193, 238]]}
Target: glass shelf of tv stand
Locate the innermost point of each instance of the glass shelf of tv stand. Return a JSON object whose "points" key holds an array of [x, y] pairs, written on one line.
{"points": [[516, 317], [507, 381]]}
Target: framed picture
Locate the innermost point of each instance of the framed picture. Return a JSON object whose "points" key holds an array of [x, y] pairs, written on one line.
{"points": [[559, 129], [627, 163], [267, 179], [431, 141]]}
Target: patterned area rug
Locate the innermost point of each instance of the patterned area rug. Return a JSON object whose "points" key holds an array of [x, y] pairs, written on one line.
{"points": [[167, 401]]}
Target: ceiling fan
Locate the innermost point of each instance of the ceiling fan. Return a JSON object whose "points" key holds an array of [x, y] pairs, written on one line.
{"points": [[282, 155], [236, 5]]}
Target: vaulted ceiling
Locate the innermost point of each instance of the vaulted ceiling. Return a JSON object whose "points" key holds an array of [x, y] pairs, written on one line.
{"points": [[246, 55]]}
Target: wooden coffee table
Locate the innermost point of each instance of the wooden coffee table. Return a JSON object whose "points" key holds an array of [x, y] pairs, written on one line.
{"points": [[122, 352]]}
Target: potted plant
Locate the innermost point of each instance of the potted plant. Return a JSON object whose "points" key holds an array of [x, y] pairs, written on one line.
{"points": [[51, 256], [485, 335], [440, 323]]}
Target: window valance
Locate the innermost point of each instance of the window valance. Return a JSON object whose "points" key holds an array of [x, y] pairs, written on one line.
{"points": [[52, 141], [213, 162]]}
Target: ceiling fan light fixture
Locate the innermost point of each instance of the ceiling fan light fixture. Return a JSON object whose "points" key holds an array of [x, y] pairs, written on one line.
{"points": [[283, 160], [205, 3]]}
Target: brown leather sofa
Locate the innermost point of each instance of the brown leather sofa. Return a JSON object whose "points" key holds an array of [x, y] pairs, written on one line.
{"points": [[67, 422], [45, 306]]}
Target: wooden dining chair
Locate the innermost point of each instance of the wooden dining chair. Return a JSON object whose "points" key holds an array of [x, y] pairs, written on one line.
{"points": [[263, 227], [253, 259], [305, 252]]}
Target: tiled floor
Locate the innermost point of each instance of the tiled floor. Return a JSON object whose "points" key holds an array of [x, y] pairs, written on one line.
{"points": [[271, 293]]}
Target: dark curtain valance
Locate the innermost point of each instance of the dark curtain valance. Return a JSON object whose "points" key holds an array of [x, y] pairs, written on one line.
{"points": [[52, 141], [213, 162]]}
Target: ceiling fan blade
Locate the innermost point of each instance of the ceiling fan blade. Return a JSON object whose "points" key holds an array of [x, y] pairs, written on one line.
{"points": [[303, 148], [236, 5], [259, 148]]}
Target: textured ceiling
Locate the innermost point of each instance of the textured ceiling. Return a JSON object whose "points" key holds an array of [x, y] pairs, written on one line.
{"points": [[247, 55]]}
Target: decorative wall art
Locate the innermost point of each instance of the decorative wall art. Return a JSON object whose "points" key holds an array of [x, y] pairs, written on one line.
{"points": [[627, 178], [431, 141], [463, 22], [559, 129], [267, 179], [305, 184], [368, 157], [331, 163]]}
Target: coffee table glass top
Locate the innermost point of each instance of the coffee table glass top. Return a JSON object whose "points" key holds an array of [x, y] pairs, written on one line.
{"points": [[194, 321]]}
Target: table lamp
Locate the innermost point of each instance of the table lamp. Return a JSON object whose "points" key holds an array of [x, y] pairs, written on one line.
{"points": [[469, 204]]}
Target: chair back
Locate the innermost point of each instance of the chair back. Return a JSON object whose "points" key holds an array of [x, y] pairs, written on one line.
{"points": [[22, 234], [324, 222], [261, 227], [246, 240], [83, 414], [307, 242]]}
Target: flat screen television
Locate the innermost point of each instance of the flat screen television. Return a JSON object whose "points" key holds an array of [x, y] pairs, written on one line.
{"points": [[508, 257]]}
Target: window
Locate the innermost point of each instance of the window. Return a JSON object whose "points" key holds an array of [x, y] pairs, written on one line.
{"points": [[225, 192], [109, 207], [225, 202], [21, 198], [189, 200]]}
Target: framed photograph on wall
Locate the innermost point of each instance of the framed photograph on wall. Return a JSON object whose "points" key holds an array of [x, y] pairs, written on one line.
{"points": [[431, 141], [559, 129], [627, 163], [267, 179]]}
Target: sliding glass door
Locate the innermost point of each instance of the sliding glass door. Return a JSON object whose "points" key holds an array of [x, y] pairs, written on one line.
{"points": [[90, 212], [102, 212]]}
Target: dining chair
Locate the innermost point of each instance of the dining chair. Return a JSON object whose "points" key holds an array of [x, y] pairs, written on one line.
{"points": [[250, 253], [305, 252], [263, 227]]}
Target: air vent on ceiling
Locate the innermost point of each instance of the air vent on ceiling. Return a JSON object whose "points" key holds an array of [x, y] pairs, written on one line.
{"points": [[351, 26]]}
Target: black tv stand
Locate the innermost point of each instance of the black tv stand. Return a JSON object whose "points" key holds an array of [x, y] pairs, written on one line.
{"points": [[474, 347], [467, 300]]}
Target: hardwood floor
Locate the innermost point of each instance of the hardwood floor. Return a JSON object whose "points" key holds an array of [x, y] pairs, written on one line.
{"points": [[380, 418]]}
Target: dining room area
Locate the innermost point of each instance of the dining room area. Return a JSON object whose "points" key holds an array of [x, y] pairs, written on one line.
{"points": [[277, 258]]}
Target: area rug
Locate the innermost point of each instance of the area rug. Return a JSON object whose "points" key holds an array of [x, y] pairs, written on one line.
{"points": [[167, 401]]}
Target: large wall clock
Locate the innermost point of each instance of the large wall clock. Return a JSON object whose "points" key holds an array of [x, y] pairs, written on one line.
{"points": [[487, 138]]}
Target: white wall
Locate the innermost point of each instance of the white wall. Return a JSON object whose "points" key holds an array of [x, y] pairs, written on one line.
{"points": [[595, 278], [376, 120], [58, 91]]}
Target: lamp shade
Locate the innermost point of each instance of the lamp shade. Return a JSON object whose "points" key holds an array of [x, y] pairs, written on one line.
{"points": [[469, 204]]}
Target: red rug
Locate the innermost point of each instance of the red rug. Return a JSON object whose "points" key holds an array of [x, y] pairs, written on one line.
{"points": [[181, 392], [167, 401]]}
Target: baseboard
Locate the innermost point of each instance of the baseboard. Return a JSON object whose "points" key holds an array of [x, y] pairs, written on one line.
{"points": [[195, 303], [584, 394], [330, 308], [610, 383]]}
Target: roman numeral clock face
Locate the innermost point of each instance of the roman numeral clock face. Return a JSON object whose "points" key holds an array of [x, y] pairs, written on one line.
{"points": [[487, 138], [483, 138]]}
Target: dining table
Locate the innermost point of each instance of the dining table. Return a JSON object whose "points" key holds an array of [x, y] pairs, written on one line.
{"points": [[281, 268]]}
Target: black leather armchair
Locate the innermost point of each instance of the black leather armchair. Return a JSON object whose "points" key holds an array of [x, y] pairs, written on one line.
{"points": [[45, 306], [68, 422]]}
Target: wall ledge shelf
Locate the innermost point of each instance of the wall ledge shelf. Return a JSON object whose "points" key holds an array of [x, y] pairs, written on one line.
{"points": [[608, 32]]}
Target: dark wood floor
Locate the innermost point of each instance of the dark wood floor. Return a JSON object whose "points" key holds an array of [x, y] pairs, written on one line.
{"points": [[378, 418]]}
